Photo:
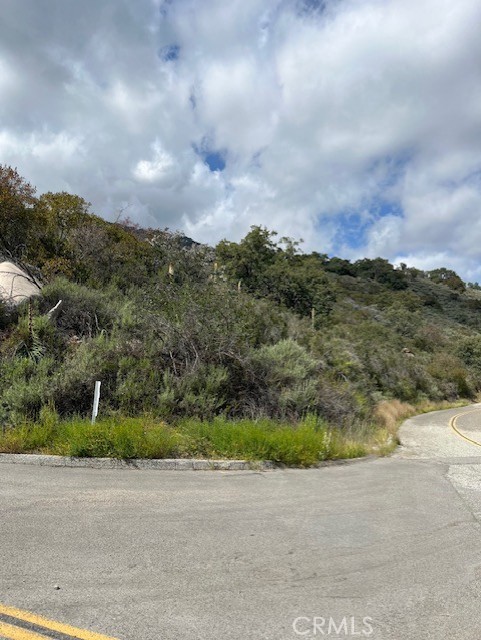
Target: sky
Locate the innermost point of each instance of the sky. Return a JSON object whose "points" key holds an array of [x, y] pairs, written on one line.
{"points": [[352, 124]]}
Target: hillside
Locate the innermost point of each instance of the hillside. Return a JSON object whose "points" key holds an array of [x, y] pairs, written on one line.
{"points": [[244, 330]]}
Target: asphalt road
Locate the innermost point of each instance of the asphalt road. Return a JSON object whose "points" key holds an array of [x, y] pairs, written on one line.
{"points": [[382, 548]]}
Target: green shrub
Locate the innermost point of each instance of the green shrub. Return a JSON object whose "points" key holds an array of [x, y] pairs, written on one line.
{"points": [[138, 383], [287, 379], [85, 312], [469, 351], [200, 392], [26, 386]]}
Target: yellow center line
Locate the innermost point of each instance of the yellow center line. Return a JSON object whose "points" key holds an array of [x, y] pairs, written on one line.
{"points": [[33, 618], [453, 425], [17, 633]]}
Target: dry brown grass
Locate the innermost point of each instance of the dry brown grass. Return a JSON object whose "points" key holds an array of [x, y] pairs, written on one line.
{"points": [[389, 414]]}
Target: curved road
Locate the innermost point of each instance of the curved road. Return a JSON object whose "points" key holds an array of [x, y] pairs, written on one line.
{"points": [[382, 548], [442, 435]]}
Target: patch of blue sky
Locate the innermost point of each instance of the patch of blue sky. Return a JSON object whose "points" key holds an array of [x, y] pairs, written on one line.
{"points": [[380, 208], [352, 226], [215, 159], [169, 53]]}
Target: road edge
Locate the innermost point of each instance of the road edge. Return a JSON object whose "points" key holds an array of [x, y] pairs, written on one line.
{"points": [[164, 464]]}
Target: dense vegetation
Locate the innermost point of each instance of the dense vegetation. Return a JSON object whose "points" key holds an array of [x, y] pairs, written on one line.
{"points": [[250, 330]]}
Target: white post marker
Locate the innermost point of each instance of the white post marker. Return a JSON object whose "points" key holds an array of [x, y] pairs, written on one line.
{"points": [[95, 408]]}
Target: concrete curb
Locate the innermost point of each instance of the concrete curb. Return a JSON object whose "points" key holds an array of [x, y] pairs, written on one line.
{"points": [[165, 464], [158, 465]]}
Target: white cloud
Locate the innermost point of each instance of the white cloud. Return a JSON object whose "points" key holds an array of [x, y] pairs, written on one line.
{"points": [[42, 146], [319, 114], [161, 169]]}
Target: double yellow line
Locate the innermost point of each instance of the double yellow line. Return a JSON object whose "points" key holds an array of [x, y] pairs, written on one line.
{"points": [[32, 625], [454, 427]]}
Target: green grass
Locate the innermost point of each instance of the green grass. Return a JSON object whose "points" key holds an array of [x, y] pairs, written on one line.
{"points": [[301, 445]]}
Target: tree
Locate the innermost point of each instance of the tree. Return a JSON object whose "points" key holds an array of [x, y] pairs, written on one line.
{"points": [[279, 273], [62, 213], [340, 266], [248, 260], [184, 259], [382, 271], [17, 218], [301, 286], [447, 277]]}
